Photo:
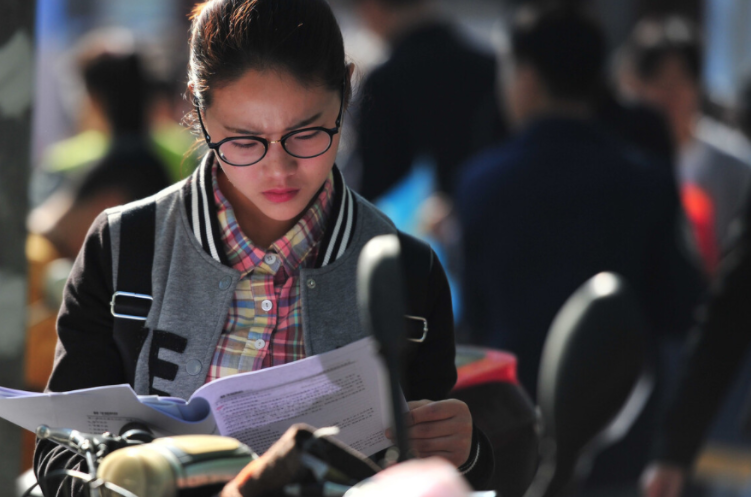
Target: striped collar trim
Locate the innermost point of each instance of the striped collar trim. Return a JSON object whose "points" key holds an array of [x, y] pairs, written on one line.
{"points": [[198, 201]]}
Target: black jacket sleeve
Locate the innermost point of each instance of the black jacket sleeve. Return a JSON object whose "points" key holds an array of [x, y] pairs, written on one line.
{"points": [[713, 357], [431, 374], [86, 355]]}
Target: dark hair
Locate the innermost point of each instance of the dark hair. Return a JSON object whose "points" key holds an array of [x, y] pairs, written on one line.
{"points": [[654, 40], [230, 37], [565, 47], [118, 81]]}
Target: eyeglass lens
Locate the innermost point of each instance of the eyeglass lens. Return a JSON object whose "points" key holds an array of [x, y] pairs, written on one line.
{"points": [[305, 144]]}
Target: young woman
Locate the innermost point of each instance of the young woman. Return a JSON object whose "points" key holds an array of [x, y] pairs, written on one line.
{"points": [[254, 255]]}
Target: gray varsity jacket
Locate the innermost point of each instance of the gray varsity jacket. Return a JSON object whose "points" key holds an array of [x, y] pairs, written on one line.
{"points": [[192, 289]]}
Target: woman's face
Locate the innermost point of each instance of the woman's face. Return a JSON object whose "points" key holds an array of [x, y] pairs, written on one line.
{"points": [[270, 104]]}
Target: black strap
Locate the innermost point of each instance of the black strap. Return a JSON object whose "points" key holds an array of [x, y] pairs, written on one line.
{"points": [[135, 260], [417, 262], [137, 226]]}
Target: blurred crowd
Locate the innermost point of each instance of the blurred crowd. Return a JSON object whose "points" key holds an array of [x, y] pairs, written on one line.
{"points": [[530, 166]]}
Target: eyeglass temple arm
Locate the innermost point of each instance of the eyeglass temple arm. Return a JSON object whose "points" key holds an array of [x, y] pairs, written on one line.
{"points": [[203, 128], [341, 103]]}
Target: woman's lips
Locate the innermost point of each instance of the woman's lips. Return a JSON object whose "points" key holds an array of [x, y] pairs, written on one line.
{"points": [[279, 195]]}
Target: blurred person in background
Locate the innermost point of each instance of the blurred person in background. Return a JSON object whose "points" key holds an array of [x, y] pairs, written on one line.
{"points": [[130, 168], [422, 113], [424, 101], [66, 162], [661, 64], [714, 356], [171, 141], [563, 201]]}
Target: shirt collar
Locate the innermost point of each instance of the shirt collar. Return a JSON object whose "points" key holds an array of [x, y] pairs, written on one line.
{"points": [[202, 220]]}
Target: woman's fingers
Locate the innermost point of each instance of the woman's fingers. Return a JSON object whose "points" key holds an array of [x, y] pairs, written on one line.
{"points": [[442, 428], [424, 411]]}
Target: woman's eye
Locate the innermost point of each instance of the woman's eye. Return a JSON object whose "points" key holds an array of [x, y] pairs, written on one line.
{"points": [[308, 135], [245, 144]]}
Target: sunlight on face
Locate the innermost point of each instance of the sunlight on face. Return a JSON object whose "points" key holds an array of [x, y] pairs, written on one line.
{"points": [[270, 104]]}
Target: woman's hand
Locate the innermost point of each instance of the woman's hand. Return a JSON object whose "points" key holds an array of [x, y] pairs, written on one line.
{"points": [[442, 428]]}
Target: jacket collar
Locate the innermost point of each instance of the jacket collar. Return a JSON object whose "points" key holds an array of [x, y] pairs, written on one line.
{"points": [[198, 201]]}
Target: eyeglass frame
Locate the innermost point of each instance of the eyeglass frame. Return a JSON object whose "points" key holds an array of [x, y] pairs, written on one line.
{"points": [[330, 131]]}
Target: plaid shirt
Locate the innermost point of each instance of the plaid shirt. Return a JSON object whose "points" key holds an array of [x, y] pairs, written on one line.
{"points": [[264, 325]]}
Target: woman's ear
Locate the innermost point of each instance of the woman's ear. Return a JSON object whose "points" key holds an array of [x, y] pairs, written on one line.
{"points": [[350, 68], [351, 78], [189, 92]]}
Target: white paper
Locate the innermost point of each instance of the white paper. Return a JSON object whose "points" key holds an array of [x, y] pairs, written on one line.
{"points": [[96, 410], [346, 387]]}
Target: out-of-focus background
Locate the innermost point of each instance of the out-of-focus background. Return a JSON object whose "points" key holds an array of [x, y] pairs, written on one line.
{"points": [[90, 87]]}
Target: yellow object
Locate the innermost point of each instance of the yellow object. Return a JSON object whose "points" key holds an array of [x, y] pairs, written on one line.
{"points": [[163, 467], [172, 143], [72, 153], [141, 470], [40, 328], [721, 463]]}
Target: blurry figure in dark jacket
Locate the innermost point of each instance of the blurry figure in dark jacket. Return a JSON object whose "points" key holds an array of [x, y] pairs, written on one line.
{"points": [[563, 201], [425, 100], [716, 352], [714, 357], [422, 113], [661, 65]]}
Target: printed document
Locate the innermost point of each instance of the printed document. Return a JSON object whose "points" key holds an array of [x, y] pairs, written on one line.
{"points": [[346, 388]]}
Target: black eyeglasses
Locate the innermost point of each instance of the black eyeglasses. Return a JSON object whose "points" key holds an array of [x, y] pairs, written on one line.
{"points": [[303, 143]]}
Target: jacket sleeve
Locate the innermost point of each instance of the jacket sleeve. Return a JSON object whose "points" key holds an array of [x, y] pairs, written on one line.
{"points": [[432, 373], [86, 355], [714, 354]]}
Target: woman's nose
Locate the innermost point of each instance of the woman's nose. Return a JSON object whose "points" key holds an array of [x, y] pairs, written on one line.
{"points": [[277, 161]]}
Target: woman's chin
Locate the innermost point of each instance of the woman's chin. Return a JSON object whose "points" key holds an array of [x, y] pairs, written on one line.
{"points": [[283, 214]]}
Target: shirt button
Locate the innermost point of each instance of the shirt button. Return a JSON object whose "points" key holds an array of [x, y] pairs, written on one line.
{"points": [[266, 305], [193, 367], [225, 282], [260, 343], [311, 283], [270, 259]]}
